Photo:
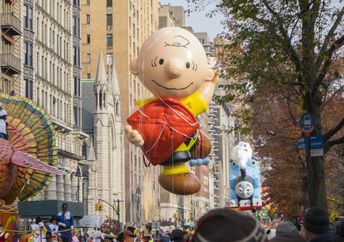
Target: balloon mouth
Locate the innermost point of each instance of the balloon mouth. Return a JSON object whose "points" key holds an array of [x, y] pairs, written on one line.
{"points": [[173, 88]]}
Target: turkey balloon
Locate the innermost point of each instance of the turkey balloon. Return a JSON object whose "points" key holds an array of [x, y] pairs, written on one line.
{"points": [[28, 152]]}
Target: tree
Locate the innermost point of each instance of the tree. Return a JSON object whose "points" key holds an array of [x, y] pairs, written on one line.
{"points": [[283, 166], [291, 47]]}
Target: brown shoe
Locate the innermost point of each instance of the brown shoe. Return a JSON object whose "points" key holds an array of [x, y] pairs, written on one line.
{"points": [[181, 184], [203, 147]]}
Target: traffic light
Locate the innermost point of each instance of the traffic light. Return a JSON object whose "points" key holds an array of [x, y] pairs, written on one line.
{"points": [[99, 206]]}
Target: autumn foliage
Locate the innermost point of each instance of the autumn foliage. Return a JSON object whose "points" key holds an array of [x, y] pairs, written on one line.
{"points": [[275, 130]]}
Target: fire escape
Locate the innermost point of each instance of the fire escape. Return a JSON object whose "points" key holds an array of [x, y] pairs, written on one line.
{"points": [[10, 32]]}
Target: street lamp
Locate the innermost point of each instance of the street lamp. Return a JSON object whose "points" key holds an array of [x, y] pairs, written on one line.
{"points": [[115, 206]]}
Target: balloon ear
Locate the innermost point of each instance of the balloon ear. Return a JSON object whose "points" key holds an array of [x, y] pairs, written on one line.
{"points": [[210, 74], [134, 67]]}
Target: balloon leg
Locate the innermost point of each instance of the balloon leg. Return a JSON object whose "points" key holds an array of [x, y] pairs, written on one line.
{"points": [[177, 179]]}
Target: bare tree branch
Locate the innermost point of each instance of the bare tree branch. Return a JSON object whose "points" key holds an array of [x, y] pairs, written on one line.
{"points": [[334, 130], [334, 94], [289, 49], [334, 142], [328, 38], [328, 55]]}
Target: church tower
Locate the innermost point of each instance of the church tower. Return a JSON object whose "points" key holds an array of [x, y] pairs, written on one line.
{"points": [[108, 142]]}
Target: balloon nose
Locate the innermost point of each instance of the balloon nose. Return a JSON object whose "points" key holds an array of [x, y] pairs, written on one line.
{"points": [[173, 68]]}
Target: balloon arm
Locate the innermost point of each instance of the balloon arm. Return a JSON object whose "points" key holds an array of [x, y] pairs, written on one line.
{"points": [[208, 87], [25, 160]]}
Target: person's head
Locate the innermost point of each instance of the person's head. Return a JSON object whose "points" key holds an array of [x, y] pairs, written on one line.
{"points": [[172, 62], [53, 219], [38, 220], [225, 224], [129, 233], [120, 237], [286, 228], [41, 225], [64, 207], [63, 239], [177, 235], [185, 235], [316, 222]]}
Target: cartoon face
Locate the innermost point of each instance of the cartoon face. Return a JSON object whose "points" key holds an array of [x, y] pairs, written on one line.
{"points": [[172, 62], [244, 189]]}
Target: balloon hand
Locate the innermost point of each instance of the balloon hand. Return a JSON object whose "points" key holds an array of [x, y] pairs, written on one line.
{"points": [[134, 136]]}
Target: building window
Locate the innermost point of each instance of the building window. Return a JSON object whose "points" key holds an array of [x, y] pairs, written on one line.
{"points": [[76, 26], [28, 17], [28, 53], [109, 20], [109, 40], [88, 19], [88, 75], [76, 2], [76, 113], [108, 3], [77, 86], [88, 39], [88, 57], [117, 108], [109, 59], [76, 56], [88, 2]]}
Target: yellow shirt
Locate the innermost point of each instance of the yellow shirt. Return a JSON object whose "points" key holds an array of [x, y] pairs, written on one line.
{"points": [[195, 103]]}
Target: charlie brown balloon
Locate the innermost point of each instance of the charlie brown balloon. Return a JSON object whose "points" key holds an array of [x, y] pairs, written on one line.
{"points": [[173, 66]]}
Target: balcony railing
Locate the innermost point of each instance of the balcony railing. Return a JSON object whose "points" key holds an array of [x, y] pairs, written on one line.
{"points": [[10, 23], [10, 64]]}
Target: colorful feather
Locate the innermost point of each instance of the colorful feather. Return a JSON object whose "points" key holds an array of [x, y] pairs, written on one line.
{"points": [[30, 130]]}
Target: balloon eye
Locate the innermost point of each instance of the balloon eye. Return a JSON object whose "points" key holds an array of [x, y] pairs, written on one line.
{"points": [[161, 61], [188, 65]]}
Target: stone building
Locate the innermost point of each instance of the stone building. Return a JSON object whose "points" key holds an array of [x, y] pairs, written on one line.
{"points": [[11, 46], [171, 16], [118, 28], [44, 65], [222, 126], [102, 121]]}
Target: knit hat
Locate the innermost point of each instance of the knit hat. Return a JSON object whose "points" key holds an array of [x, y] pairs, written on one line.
{"points": [[177, 235], [225, 224], [316, 221], [286, 227]]}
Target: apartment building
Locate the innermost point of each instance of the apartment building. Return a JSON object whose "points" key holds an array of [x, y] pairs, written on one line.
{"points": [[40, 59]]}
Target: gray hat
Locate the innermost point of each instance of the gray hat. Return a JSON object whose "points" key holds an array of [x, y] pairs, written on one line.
{"points": [[286, 227]]}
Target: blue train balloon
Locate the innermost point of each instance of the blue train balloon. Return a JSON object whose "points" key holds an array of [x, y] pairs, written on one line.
{"points": [[245, 181]]}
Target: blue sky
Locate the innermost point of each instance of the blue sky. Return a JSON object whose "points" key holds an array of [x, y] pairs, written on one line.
{"points": [[198, 20]]}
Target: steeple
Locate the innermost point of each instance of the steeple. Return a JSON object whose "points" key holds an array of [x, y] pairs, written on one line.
{"points": [[101, 73], [100, 85]]}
